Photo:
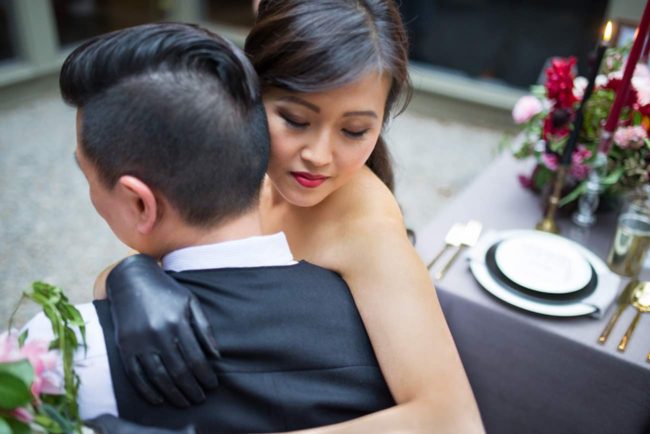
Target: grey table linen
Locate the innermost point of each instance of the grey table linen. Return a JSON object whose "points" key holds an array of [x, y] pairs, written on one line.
{"points": [[531, 373]]}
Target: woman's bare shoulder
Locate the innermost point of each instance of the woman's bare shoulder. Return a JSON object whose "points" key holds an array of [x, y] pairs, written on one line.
{"points": [[367, 217], [366, 198]]}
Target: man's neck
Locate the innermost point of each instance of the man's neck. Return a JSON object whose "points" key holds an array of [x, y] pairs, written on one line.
{"points": [[182, 235]]}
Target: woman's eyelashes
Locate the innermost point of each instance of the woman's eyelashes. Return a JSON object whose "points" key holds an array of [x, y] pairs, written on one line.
{"points": [[355, 134], [293, 122], [296, 123]]}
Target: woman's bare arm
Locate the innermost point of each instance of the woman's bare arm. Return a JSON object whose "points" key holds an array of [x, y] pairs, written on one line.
{"points": [[402, 315]]}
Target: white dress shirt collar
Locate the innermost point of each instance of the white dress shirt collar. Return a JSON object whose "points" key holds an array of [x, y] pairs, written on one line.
{"points": [[261, 251]]}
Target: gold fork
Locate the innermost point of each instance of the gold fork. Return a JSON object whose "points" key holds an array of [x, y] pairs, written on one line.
{"points": [[471, 233], [452, 239]]}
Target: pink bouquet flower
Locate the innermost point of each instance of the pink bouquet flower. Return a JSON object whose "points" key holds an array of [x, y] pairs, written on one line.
{"points": [[43, 362], [527, 107]]}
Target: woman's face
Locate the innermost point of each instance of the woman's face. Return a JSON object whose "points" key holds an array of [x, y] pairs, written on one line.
{"points": [[320, 140]]}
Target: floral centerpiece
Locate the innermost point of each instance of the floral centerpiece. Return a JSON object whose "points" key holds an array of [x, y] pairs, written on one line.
{"points": [[33, 396], [547, 118]]}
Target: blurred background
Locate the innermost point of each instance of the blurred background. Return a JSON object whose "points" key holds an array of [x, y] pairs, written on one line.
{"points": [[471, 61]]}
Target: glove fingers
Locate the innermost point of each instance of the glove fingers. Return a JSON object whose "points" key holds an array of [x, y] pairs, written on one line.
{"points": [[157, 372], [109, 424], [138, 378], [203, 330], [180, 372], [199, 365], [101, 424]]}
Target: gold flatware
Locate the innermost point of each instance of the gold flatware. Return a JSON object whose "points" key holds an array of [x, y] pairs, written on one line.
{"points": [[452, 239], [641, 301], [622, 302], [470, 236]]}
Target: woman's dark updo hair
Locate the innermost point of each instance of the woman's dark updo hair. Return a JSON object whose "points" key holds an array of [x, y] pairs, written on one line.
{"points": [[318, 45]]}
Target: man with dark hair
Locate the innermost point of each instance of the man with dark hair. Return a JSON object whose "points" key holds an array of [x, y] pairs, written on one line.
{"points": [[172, 138]]}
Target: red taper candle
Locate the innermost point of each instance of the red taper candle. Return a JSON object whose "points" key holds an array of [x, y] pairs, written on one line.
{"points": [[646, 50], [630, 65]]}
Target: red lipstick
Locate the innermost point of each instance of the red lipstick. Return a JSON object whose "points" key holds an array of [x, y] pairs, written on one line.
{"points": [[308, 180]]}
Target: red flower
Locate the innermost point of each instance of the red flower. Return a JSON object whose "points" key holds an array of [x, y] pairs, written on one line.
{"points": [[632, 96], [559, 82], [556, 125], [645, 110]]}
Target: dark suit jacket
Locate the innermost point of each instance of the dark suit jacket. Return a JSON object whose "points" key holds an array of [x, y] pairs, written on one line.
{"points": [[295, 353]]}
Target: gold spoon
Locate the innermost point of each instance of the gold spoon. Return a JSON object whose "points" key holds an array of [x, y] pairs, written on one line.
{"points": [[641, 301]]}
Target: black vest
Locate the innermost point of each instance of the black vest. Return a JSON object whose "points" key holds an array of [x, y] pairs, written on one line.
{"points": [[295, 353]]}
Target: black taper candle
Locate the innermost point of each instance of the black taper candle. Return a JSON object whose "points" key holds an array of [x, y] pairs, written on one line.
{"points": [[579, 117]]}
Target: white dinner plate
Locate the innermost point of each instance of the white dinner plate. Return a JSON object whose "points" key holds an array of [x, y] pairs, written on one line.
{"points": [[490, 284], [544, 263]]}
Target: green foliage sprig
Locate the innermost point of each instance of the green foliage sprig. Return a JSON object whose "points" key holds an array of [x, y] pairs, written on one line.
{"points": [[54, 414]]}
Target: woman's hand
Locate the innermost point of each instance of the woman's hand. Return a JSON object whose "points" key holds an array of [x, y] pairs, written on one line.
{"points": [[99, 289], [164, 339]]}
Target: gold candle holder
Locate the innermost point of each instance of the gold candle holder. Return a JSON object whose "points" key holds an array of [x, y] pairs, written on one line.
{"points": [[547, 224]]}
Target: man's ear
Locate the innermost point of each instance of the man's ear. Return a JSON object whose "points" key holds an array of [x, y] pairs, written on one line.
{"points": [[141, 202]]}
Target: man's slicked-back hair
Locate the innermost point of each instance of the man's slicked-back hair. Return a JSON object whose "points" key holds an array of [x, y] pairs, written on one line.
{"points": [[177, 107]]}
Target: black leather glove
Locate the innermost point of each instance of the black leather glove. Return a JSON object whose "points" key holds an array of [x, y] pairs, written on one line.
{"points": [[108, 424], [163, 337]]}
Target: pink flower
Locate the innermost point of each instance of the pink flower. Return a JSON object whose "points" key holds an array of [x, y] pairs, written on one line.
{"points": [[641, 70], [527, 107], [9, 351], [630, 137], [550, 161], [580, 170], [22, 414], [642, 86], [525, 181], [47, 379]]}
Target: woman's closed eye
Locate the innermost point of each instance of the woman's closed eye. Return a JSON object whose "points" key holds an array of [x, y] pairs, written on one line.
{"points": [[355, 134], [293, 122]]}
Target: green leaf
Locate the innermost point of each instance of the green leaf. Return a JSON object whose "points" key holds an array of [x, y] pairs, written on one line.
{"points": [[542, 177], [22, 338], [47, 423], [21, 369], [13, 391], [18, 427], [58, 418], [4, 426], [574, 194], [64, 318], [613, 177]]}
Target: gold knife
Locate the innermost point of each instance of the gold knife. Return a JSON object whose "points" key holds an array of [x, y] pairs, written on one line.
{"points": [[622, 302]]}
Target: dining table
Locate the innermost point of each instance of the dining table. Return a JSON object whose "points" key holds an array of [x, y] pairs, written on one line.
{"points": [[532, 373]]}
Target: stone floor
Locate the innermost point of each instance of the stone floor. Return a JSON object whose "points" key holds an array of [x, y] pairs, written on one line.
{"points": [[49, 230]]}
